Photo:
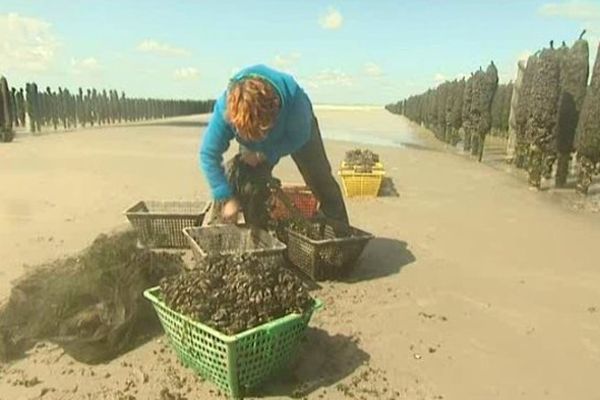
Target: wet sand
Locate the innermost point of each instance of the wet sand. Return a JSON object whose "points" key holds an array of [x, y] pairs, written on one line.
{"points": [[475, 287]]}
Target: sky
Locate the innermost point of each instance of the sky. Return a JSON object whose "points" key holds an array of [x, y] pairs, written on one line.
{"points": [[341, 52]]}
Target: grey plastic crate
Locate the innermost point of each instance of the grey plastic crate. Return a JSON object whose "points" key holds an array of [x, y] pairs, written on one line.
{"points": [[233, 239], [160, 223]]}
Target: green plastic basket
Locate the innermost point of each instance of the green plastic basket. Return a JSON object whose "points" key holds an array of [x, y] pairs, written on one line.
{"points": [[234, 363]]}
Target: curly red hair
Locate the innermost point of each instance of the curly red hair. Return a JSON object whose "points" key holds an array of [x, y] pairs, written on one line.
{"points": [[252, 107]]}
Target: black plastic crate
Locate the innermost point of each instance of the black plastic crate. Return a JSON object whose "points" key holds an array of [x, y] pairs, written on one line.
{"points": [[329, 258]]}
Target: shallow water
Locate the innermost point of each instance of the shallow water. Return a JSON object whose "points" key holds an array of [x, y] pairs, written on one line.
{"points": [[401, 139], [368, 126]]}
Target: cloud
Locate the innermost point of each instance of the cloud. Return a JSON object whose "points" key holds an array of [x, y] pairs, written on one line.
{"points": [[186, 74], [372, 69], [286, 62], [575, 10], [330, 77], [161, 49], [27, 44], [87, 65], [331, 20]]}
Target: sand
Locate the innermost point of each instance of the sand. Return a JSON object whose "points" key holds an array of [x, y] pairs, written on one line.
{"points": [[475, 288]]}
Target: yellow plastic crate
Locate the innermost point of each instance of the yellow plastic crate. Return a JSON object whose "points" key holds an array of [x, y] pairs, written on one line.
{"points": [[361, 184]]}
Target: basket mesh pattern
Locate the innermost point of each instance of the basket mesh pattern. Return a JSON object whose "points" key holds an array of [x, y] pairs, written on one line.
{"points": [[329, 258], [264, 352], [160, 223], [232, 239], [301, 197], [361, 184], [234, 363]]}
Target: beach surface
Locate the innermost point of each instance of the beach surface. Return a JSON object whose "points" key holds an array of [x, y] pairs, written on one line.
{"points": [[475, 287]]}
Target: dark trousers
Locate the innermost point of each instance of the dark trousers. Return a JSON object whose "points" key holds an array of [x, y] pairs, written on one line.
{"points": [[314, 166], [315, 169]]}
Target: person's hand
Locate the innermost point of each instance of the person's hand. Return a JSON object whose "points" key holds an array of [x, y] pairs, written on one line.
{"points": [[253, 158], [231, 209]]}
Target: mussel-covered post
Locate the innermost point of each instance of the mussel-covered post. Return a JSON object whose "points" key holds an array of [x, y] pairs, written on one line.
{"points": [[542, 124], [6, 123], [485, 85], [466, 114], [13, 107], [441, 97], [588, 132], [501, 110], [455, 117], [573, 83], [522, 113], [514, 105], [32, 105]]}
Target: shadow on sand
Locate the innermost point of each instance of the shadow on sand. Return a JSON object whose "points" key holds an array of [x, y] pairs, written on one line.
{"points": [[495, 152], [322, 361], [417, 146], [593, 191], [388, 188], [381, 258]]}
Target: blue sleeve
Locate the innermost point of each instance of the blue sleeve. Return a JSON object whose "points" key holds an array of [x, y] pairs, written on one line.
{"points": [[298, 128], [215, 142]]}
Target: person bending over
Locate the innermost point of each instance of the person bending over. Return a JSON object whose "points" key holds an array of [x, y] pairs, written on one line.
{"points": [[271, 117]]}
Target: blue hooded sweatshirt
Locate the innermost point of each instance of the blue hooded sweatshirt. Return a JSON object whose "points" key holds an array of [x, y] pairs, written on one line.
{"points": [[291, 130]]}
